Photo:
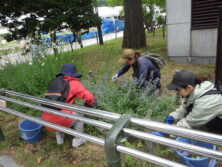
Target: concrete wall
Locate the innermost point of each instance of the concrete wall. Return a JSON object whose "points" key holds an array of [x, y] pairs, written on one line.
{"points": [[204, 46], [178, 27], [184, 45]]}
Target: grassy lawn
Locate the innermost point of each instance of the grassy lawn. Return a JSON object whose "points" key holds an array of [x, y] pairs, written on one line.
{"points": [[103, 61]]}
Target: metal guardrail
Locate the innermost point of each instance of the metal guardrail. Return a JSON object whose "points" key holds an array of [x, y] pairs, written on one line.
{"points": [[188, 133], [184, 132]]}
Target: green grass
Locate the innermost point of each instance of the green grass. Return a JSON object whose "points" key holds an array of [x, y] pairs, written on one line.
{"points": [[103, 61]]}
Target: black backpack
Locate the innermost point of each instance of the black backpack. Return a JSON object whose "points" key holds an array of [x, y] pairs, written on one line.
{"points": [[58, 90]]}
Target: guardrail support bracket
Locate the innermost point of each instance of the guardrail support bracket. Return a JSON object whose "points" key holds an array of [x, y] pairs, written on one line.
{"points": [[112, 139]]}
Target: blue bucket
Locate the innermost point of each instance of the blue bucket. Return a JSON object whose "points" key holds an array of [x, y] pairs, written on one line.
{"points": [[196, 162], [30, 131]]}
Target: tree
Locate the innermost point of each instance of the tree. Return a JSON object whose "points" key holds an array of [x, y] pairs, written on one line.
{"points": [[147, 19], [134, 33], [76, 14], [115, 2], [149, 16], [161, 22], [11, 13]]}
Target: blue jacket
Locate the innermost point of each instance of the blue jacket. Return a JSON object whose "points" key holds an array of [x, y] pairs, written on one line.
{"points": [[143, 70]]}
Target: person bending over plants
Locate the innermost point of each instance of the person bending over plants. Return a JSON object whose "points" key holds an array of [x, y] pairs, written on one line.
{"points": [[66, 88], [202, 103], [146, 67]]}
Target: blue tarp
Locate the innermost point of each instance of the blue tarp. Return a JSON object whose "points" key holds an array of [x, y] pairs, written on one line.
{"points": [[91, 34], [111, 25], [108, 26], [65, 37]]}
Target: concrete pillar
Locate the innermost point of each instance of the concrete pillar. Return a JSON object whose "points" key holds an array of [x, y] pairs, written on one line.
{"points": [[178, 27]]}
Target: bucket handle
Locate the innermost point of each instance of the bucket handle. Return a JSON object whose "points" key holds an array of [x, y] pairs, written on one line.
{"points": [[27, 138]]}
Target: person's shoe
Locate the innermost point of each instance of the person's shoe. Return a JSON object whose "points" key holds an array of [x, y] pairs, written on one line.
{"points": [[76, 142], [60, 137]]}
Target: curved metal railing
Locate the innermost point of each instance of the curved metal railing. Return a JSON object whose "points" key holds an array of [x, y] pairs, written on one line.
{"points": [[188, 133]]}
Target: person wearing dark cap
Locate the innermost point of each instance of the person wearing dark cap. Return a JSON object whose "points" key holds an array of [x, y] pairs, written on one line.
{"points": [[202, 103], [76, 90]]}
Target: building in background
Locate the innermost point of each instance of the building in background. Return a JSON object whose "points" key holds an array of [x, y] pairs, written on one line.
{"points": [[192, 30], [110, 12]]}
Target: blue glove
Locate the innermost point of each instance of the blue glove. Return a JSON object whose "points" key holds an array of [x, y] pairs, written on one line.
{"points": [[95, 102], [161, 134], [168, 120]]}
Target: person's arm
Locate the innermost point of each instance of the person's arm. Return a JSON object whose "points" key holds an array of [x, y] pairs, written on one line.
{"points": [[123, 70], [82, 93], [179, 112]]}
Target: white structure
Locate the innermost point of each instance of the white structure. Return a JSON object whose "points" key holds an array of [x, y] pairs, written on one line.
{"points": [[187, 43], [109, 12], [3, 30]]}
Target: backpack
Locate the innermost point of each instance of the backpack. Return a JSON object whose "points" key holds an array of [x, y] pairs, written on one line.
{"points": [[210, 92], [58, 90], [154, 58], [213, 124]]}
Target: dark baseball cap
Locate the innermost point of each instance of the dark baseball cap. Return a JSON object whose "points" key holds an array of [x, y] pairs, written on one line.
{"points": [[181, 79]]}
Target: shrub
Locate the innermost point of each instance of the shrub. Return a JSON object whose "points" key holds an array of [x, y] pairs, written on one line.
{"points": [[126, 98]]}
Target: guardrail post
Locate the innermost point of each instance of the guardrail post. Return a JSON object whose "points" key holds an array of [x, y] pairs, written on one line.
{"points": [[112, 139], [2, 137], [2, 104]]}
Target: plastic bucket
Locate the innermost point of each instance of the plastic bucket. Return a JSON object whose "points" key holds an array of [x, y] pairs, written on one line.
{"points": [[199, 161], [30, 131]]}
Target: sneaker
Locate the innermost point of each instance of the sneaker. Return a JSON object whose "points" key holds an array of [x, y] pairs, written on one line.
{"points": [[60, 137], [76, 142]]}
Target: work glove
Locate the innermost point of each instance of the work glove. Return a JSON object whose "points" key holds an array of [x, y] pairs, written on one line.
{"points": [[114, 77], [168, 120], [92, 105], [95, 102]]}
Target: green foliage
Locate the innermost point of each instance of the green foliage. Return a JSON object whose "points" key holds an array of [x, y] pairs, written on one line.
{"points": [[115, 2], [74, 15], [126, 98], [160, 3], [161, 20], [32, 78]]}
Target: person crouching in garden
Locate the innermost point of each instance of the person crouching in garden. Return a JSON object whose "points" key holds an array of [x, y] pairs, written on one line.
{"points": [[75, 90], [202, 103], [145, 70]]}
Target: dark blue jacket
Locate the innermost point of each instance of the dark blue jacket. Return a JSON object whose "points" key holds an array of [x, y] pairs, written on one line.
{"points": [[143, 70]]}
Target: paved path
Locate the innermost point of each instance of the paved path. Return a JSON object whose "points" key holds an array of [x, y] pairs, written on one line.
{"points": [[16, 58], [7, 161]]}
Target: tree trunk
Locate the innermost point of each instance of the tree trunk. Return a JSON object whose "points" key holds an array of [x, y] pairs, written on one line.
{"points": [[134, 32], [163, 31], [154, 31], [100, 34], [53, 36], [151, 7]]}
